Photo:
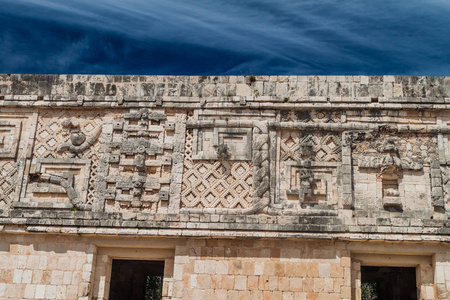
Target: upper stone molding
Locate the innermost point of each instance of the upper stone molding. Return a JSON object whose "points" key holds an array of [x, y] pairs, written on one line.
{"points": [[224, 91]]}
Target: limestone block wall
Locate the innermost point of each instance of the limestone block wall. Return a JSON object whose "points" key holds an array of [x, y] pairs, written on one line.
{"points": [[45, 267], [262, 269], [56, 266]]}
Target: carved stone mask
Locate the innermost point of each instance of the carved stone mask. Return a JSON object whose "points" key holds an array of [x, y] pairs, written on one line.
{"points": [[77, 137]]}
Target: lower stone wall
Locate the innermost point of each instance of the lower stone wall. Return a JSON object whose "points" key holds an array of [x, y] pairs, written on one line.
{"points": [[56, 266], [261, 269], [45, 267]]}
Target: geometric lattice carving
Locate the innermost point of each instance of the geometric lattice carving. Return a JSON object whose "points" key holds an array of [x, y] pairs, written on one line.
{"points": [[51, 132], [188, 146], [8, 177], [307, 168], [9, 138], [228, 143], [139, 161], [326, 147], [92, 180], [217, 184], [58, 183], [446, 183]]}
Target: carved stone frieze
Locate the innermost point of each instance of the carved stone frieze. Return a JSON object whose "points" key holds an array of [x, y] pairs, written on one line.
{"points": [[17, 131], [227, 181], [8, 181], [158, 160], [313, 116], [78, 142], [307, 169], [136, 167], [67, 133], [348, 154], [399, 165], [58, 183]]}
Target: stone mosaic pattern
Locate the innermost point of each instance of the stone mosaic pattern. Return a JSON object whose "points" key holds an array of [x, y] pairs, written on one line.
{"points": [[281, 146], [209, 184], [326, 147], [8, 178], [139, 161], [51, 132]]}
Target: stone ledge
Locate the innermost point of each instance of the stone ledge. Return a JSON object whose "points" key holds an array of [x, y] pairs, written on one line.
{"points": [[179, 91], [208, 233], [245, 224]]}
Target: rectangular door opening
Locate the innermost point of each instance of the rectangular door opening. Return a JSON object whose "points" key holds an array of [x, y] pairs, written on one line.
{"points": [[136, 279], [379, 283]]}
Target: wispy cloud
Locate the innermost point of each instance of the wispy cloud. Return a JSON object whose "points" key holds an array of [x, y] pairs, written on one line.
{"points": [[225, 37]]}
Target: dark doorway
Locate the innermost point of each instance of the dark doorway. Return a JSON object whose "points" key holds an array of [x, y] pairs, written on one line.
{"points": [[396, 283], [136, 279]]}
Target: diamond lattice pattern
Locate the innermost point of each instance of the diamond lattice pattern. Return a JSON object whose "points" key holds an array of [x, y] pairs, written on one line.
{"points": [[217, 184], [327, 147], [51, 134], [8, 176]]}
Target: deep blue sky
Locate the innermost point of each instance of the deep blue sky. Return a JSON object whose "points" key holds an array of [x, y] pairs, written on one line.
{"points": [[225, 37]]}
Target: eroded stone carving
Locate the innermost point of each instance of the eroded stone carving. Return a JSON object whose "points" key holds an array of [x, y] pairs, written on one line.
{"points": [[397, 162], [78, 142], [308, 165], [66, 181], [8, 181], [446, 183], [137, 164], [390, 160], [306, 176], [9, 138], [312, 116], [232, 143], [59, 183], [261, 166], [223, 183]]}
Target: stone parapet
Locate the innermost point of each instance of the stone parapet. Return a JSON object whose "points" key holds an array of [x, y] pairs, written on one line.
{"points": [[221, 92]]}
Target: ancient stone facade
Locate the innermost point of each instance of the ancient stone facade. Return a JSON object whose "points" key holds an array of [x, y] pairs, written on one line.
{"points": [[248, 187]]}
